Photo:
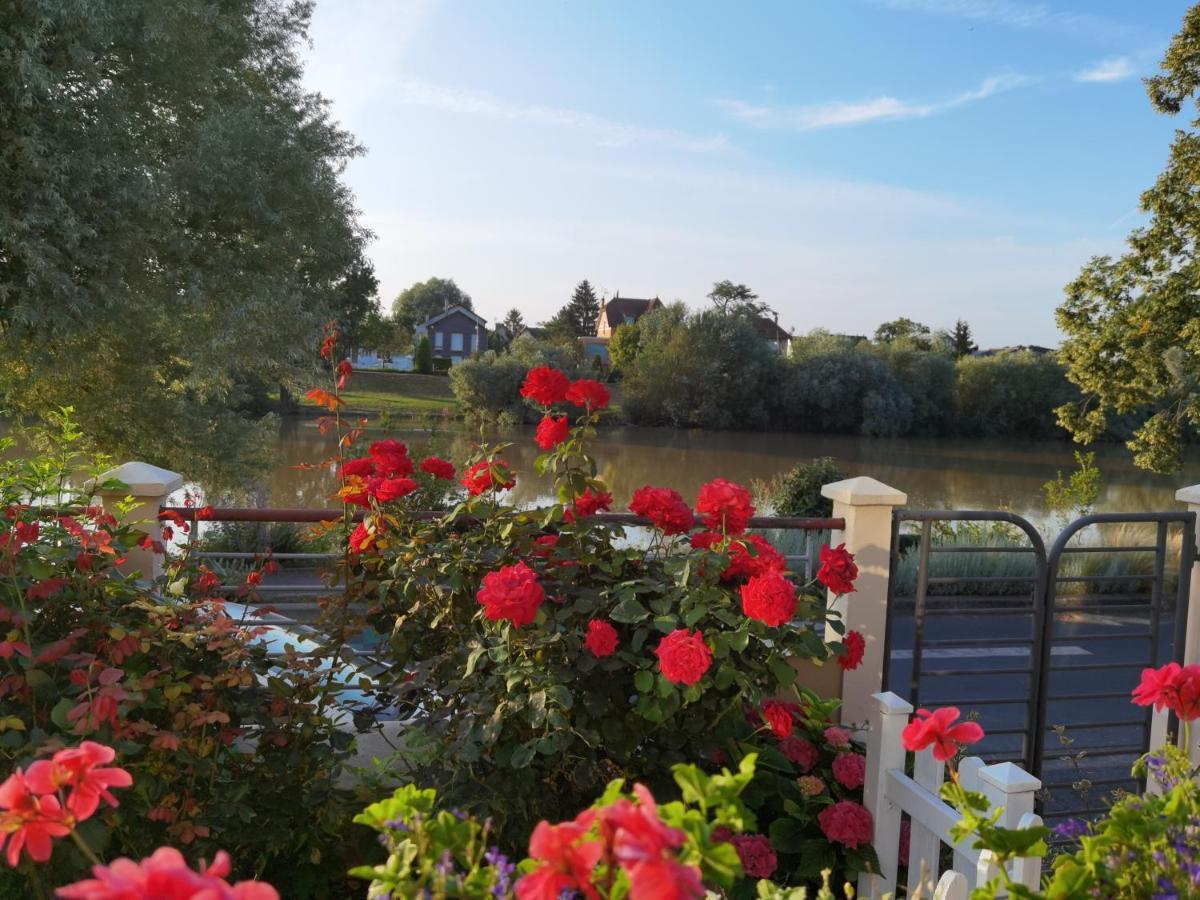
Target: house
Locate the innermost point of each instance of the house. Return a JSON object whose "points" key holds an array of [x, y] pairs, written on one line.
{"points": [[778, 340], [454, 333], [613, 313]]}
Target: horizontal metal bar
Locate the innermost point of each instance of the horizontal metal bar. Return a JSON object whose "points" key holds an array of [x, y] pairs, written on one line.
{"points": [[967, 548], [1108, 549], [976, 642], [1127, 779], [217, 554], [1126, 750], [1085, 579], [1075, 638], [1098, 695], [980, 579], [1087, 667], [943, 673], [975, 701], [966, 611]]}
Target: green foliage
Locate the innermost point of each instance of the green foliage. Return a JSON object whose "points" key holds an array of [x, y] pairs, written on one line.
{"points": [[624, 345], [798, 491], [929, 379], [1133, 323], [171, 196], [379, 333], [229, 749], [903, 328], [847, 392], [490, 386], [416, 303], [580, 314], [731, 299], [961, 340], [1010, 395], [1074, 496], [424, 356], [819, 342], [442, 365]]}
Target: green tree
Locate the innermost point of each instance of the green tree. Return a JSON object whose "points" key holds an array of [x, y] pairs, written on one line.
{"points": [[514, 322], [423, 358], [1011, 395], [585, 309], [902, 328], [172, 196], [561, 328], [961, 339], [357, 302], [378, 332], [1132, 324], [416, 303], [624, 345], [736, 299]]}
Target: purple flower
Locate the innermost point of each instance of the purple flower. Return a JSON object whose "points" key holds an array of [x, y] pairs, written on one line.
{"points": [[1071, 828], [504, 871]]}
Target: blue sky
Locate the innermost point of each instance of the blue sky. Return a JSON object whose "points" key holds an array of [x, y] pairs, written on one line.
{"points": [[850, 160]]}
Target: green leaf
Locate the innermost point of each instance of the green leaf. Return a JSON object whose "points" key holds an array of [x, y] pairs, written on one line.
{"points": [[473, 660], [787, 835], [523, 755], [644, 681], [629, 610]]}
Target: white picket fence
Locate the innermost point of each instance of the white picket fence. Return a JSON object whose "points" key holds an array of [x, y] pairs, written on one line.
{"points": [[889, 793]]}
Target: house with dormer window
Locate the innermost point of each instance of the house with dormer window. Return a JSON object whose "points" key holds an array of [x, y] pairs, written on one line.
{"points": [[454, 333], [614, 313]]}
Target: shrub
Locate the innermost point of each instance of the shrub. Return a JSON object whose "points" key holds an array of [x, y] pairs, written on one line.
{"points": [[423, 358], [798, 491], [489, 386], [1011, 395], [518, 708], [847, 392]]}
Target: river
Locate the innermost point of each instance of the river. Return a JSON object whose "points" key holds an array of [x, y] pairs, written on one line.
{"points": [[934, 472]]}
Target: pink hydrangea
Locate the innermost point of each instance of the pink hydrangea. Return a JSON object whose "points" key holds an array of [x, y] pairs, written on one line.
{"points": [[756, 854], [837, 737], [799, 752], [846, 822], [850, 769], [811, 785]]}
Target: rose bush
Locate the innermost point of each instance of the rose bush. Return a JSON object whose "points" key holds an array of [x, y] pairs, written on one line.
{"points": [[542, 653]]}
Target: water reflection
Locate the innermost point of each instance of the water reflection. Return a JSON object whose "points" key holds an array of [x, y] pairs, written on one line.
{"points": [[935, 472]]}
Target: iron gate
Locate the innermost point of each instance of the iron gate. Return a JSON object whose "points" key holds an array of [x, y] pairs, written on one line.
{"points": [[1042, 647]]}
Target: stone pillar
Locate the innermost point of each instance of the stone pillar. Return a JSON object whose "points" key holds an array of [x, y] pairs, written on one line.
{"points": [[1191, 641], [866, 505], [147, 487]]}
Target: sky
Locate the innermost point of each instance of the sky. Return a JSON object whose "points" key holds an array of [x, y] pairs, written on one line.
{"points": [[851, 161]]}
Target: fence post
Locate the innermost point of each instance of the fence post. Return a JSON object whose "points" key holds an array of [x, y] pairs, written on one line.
{"points": [[149, 486], [885, 752], [1008, 785], [1191, 641], [866, 505]]}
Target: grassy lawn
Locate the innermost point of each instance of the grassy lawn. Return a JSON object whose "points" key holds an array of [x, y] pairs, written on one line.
{"points": [[398, 393]]}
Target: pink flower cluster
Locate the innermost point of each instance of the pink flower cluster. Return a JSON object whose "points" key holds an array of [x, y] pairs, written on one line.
{"points": [[165, 874]]}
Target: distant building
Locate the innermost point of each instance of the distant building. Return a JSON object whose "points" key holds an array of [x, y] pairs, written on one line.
{"points": [[777, 339], [1018, 348], [454, 333], [613, 313]]}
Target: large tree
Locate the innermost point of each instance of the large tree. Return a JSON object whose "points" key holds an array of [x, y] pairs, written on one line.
{"points": [[1133, 323], [585, 309], [737, 300], [173, 228], [903, 328], [415, 304], [961, 340]]}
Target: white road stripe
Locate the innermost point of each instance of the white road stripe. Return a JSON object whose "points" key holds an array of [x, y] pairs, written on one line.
{"points": [[983, 652]]}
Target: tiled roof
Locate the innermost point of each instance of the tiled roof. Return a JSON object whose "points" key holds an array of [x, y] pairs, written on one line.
{"points": [[619, 310]]}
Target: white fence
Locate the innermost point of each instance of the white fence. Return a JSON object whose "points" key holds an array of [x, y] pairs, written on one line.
{"points": [[889, 794]]}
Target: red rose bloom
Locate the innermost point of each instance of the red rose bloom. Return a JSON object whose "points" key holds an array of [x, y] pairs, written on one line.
{"points": [[769, 598], [363, 467], [545, 386], [855, 646], [665, 509], [391, 459], [752, 555], [724, 506], [356, 491], [438, 468], [800, 753], [846, 822], [850, 769], [588, 393], [938, 729], [512, 593], [838, 570], [683, 657], [361, 539], [588, 504], [485, 475], [552, 431], [756, 854], [779, 717], [601, 638], [389, 490]]}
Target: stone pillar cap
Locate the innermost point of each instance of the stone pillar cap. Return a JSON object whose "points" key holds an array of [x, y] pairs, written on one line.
{"points": [[145, 480], [863, 491]]}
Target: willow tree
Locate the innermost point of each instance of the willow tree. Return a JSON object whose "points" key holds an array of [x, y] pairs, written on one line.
{"points": [[173, 228], [1133, 323]]}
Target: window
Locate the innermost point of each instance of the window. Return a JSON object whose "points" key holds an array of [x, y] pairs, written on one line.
{"points": [[456, 343], [475, 343], [437, 340]]}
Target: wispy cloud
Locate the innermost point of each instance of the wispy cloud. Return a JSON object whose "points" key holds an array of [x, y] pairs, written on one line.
{"points": [[1117, 68], [1015, 14], [878, 109], [605, 132]]}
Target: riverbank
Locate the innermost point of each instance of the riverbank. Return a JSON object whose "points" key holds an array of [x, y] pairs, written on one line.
{"points": [[397, 395]]}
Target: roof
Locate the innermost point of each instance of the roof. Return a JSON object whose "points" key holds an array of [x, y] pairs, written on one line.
{"points": [[770, 329], [620, 309], [470, 314]]}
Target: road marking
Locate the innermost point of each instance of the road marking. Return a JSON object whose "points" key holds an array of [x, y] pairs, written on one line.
{"points": [[984, 652]]}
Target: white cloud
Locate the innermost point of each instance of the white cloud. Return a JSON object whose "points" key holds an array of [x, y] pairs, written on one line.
{"points": [[1016, 15], [606, 132], [1117, 68], [878, 109]]}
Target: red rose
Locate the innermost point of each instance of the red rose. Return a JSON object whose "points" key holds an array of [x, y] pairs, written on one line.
{"points": [[545, 385], [856, 647], [838, 570], [438, 468], [756, 854], [752, 555], [683, 657], [355, 491], [512, 593], [800, 753], [850, 769], [779, 717], [485, 475], [552, 431], [391, 459], [846, 822], [363, 467], [388, 490], [769, 598], [724, 506], [588, 504], [665, 509], [588, 393], [362, 539], [601, 638]]}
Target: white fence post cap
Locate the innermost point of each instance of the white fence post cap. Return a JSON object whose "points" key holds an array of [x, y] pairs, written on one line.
{"points": [[863, 491], [1189, 494], [892, 704], [145, 480], [1009, 778]]}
